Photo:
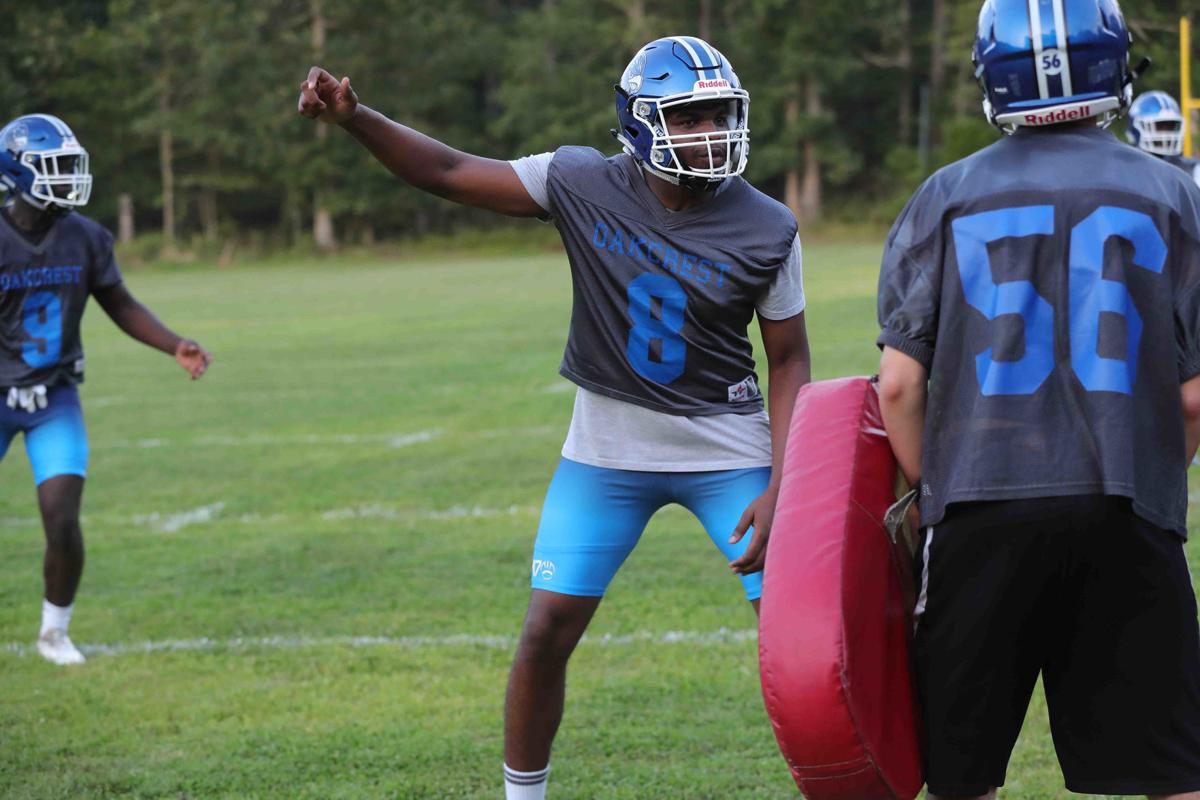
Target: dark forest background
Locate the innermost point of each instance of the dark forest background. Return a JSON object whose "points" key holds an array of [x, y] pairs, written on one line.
{"points": [[188, 108]]}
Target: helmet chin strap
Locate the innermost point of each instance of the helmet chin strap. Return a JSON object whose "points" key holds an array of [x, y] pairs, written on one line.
{"points": [[685, 181]]}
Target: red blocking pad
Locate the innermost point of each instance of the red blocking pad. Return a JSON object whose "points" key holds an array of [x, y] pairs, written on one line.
{"points": [[835, 633]]}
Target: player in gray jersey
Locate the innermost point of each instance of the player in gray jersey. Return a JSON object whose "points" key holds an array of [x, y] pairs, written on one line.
{"points": [[1040, 381], [672, 255], [52, 259]]}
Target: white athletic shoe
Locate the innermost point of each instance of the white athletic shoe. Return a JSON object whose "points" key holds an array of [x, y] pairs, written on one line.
{"points": [[56, 647]]}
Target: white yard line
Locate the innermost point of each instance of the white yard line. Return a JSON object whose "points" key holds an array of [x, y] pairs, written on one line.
{"points": [[721, 636], [170, 523], [454, 512], [390, 439]]}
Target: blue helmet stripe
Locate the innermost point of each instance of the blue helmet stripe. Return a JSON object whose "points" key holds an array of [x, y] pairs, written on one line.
{"points": [[1046, 9], [694, 54], [709, 55], [1048, 32], [1038, 39], [60, 127], [1064, 50]]}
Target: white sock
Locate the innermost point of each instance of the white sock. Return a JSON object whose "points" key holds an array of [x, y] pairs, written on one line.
{"points": [[55, 616], [525, 785]]}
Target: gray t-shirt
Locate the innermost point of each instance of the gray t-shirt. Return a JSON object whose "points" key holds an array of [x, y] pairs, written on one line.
{"points": [[44, 289], [1051, 285], [614, 433], [1189, 165]]}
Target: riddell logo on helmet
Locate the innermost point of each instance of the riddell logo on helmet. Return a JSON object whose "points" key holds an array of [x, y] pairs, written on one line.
{"points": [[719, 83], [1062, 115]]}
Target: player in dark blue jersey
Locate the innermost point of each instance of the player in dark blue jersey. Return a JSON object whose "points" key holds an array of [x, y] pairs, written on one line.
{"points": [[1040, 381], [52, 259], [1156, 126], [672, 255]]}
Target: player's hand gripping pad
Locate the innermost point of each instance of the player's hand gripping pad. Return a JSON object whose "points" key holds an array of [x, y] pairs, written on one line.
{"points": [[834, 634]]}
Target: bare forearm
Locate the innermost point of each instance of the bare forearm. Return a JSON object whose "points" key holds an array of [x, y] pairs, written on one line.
{"points": [[139, 323], [1191, 430], [904, 421], [410, 155], [785, 382]]}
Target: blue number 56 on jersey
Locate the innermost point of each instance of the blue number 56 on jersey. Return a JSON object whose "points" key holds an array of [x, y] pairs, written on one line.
{"points": [[1089, 295]]}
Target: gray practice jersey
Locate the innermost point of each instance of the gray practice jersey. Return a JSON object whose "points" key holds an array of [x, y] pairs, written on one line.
{"points": [[611, 433], [43, 291], [662, 300], [1051, 284], [1189, 165]]}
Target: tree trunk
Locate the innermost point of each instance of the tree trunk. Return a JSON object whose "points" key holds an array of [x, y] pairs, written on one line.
{"points": [[125, 218], [208, 200], [323, 233], [705, 21], [166, 147], [792, 180], [548, 8], [937, 61], [810, 198], [905, 57], [636, 12]]}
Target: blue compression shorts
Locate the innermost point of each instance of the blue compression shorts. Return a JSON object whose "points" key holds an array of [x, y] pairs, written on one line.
{"points": [[593, 517], [55, 438]]}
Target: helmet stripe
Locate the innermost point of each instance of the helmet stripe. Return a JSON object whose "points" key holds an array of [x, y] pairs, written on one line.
{"points": [[696, 63], [1060, 28], [59, 126], [712, 57], [1035, 35]]}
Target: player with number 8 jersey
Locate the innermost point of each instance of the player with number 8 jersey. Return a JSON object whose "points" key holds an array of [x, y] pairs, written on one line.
{"points": [[1040, 380], [672, 256]]}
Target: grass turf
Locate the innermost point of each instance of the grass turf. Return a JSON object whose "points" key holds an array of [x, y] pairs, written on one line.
{"points": [[367, 458]]}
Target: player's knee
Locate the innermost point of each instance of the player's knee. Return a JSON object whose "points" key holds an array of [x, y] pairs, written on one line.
{"points": [[551, 633], [63, 531]]}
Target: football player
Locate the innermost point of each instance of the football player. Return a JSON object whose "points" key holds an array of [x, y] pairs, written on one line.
{"points": [[51, 260], [672, 254], [1040, 381], [1156, 126]]}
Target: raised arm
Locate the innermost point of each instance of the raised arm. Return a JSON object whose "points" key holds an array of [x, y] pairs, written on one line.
{"points": [[140, 323], [413, 157]]}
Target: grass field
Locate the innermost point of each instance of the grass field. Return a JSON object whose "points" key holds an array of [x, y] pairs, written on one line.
{"points": [[306, 572]]}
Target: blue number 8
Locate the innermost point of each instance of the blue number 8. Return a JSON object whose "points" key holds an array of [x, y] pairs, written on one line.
{"points": [[42, 317], [648, 328], [1089, 295]]}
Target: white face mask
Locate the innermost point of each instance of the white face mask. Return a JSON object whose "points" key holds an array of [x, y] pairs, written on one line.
{"points": [[61, 176], [727, 148]]}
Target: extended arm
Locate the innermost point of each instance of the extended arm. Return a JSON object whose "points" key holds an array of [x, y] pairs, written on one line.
{"points": [[789, 367], [902, 392], [413, 157], [140, 323]]}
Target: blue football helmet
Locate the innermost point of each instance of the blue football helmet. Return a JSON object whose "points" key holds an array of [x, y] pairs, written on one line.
{"points": [[672, 72], [1043, 62], [41, 159], [1156, 124]]}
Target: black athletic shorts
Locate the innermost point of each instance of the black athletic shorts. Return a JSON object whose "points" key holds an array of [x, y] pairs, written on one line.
{"points": [[1093, 597]]}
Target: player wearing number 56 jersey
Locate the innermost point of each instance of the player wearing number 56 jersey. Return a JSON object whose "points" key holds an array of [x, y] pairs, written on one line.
{"points": [[52, 259], [672, 255], [1040, 312]]}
